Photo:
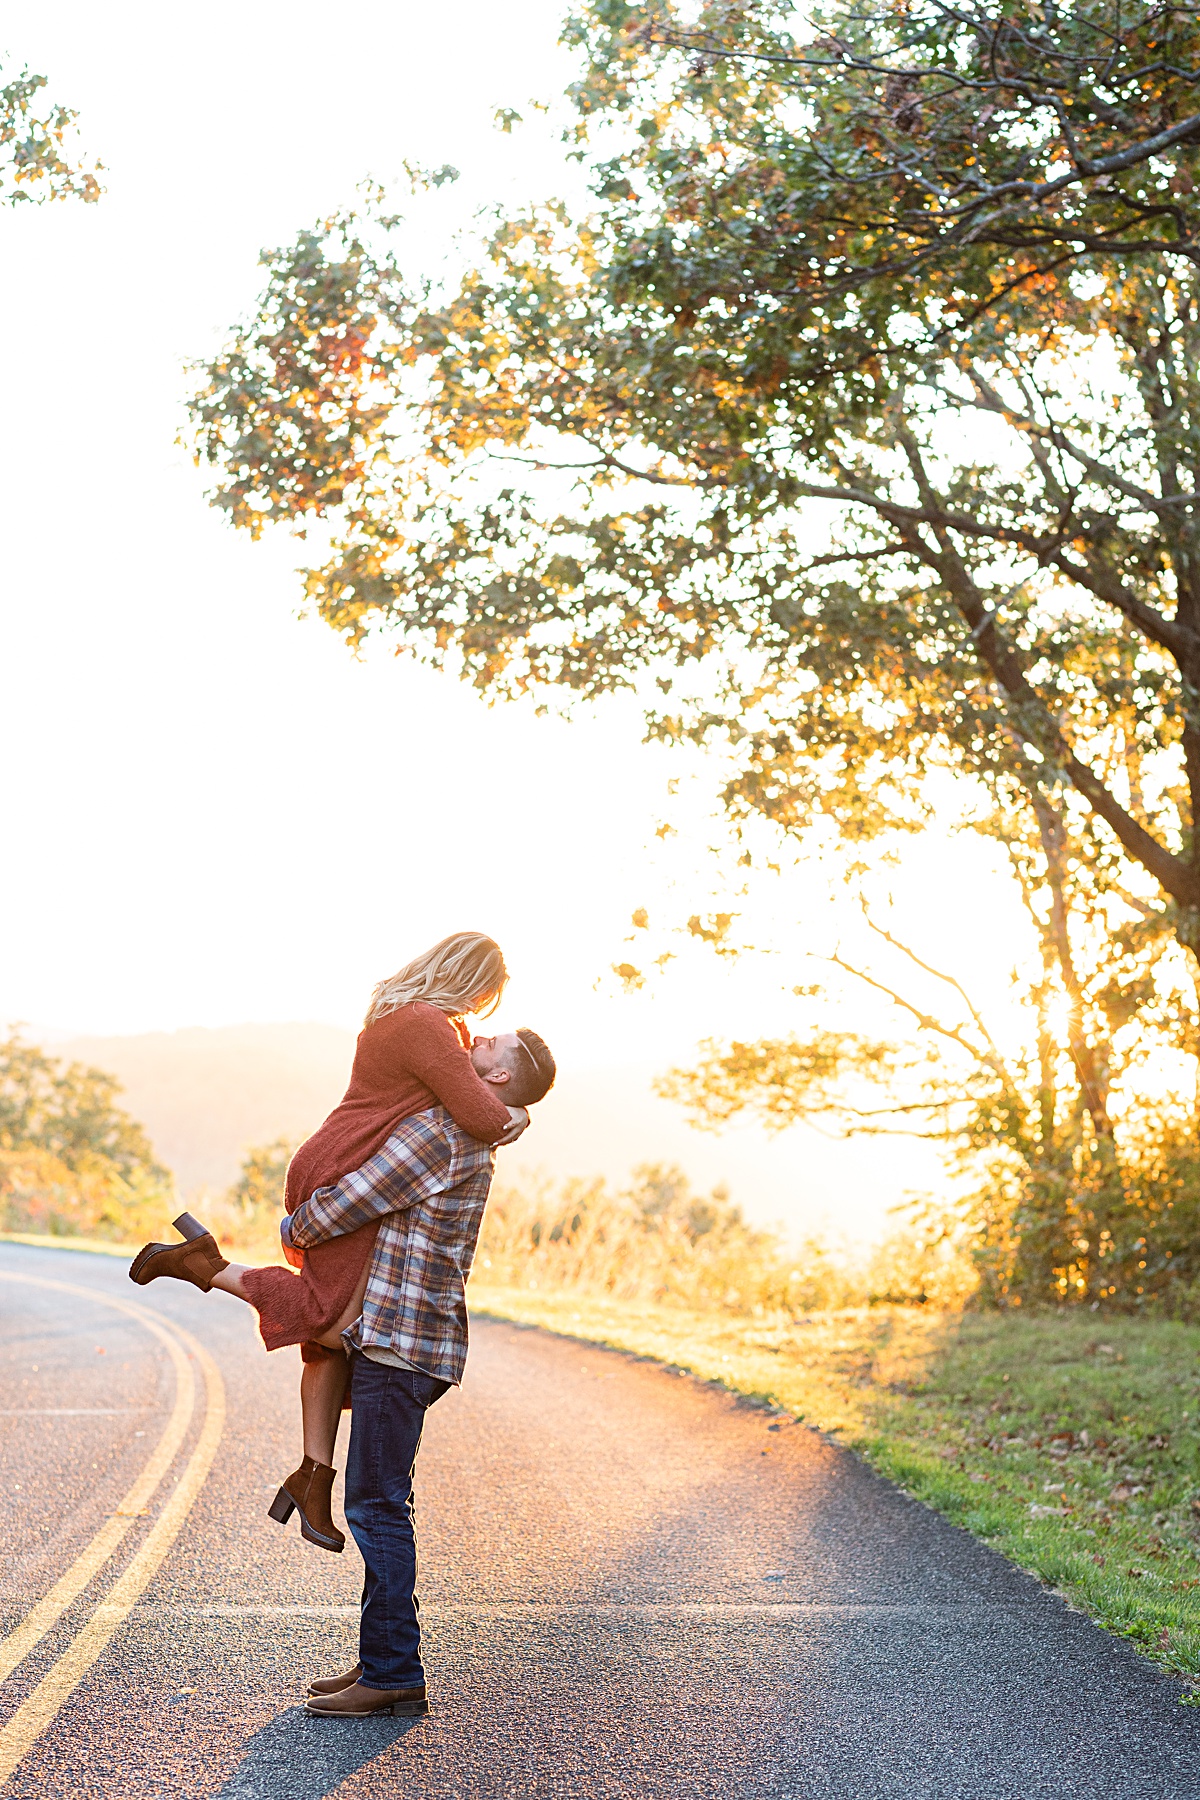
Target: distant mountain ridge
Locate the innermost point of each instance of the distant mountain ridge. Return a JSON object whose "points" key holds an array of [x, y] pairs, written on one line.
{"points": [[205, 1095]]}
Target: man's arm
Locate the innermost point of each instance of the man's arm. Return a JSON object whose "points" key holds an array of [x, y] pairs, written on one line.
{"points": [[413, 1165]]}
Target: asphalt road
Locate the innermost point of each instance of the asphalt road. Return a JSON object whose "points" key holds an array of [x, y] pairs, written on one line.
{"points": [[633, 1585]]}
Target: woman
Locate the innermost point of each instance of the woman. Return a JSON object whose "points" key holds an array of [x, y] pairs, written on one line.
{"points": [[412, 1053]]}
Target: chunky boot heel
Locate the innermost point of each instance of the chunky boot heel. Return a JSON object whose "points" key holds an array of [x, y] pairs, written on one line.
{"points": [[189, 1227], [282, 1507]]}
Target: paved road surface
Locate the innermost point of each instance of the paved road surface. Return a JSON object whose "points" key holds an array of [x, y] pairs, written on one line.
{"points": [[634, 1586]]}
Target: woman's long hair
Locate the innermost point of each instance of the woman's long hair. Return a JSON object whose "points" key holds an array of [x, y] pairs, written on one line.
{"points": [[463, 968]]}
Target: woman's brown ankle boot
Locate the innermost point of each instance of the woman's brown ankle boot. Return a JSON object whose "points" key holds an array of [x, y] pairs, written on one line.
{"points": [[196, 1260], [308, 1492]]}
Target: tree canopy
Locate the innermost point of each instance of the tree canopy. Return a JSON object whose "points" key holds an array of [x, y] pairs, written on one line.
{"points": [[70, 1111], [37, 161], [71, 1159], [875, 363]]}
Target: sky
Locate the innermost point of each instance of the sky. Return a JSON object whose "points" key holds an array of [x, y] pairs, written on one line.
{"points": [[214, 813]]}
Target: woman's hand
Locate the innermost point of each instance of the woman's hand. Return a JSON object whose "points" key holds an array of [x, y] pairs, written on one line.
{"points": [[518, 1119]]}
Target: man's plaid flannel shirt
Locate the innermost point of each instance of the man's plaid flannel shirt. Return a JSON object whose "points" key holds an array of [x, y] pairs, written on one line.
{"points": [[429, 1184]]}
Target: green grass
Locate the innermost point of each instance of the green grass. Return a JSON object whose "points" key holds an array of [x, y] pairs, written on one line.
{"points": [[1069, 1443]]}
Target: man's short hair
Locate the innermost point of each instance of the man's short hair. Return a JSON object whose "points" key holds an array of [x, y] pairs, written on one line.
{"points": [[533, 1070]]}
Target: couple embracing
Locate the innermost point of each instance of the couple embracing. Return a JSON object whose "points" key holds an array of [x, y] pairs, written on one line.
{"points": [[384, 1205]]}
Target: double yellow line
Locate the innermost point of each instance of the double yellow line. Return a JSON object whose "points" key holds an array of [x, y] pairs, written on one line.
{"points": [[40, 1707]]}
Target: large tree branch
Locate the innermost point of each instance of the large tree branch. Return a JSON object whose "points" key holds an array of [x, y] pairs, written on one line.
{"points": [[1030, 715], [1083, 168], [1039, 544], [994, 401], [1092, 574], [1182, 642]]}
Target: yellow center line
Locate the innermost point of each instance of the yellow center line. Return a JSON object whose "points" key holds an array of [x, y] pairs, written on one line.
{"points": [[16, 1647], [40, 1708]]}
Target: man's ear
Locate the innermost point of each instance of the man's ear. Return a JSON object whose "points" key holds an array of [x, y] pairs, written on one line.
{"points": [[498, 1076]]}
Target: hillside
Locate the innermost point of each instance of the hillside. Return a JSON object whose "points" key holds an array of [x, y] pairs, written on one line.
{"points": [[205, 1095]]}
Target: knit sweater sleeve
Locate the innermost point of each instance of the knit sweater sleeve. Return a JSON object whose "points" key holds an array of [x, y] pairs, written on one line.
{"points": [[430, 1049]]}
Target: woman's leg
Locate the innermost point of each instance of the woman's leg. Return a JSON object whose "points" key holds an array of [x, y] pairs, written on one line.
{"points": [[323, 1384], [310, 1487], [230, 1281], [322, 1390]]}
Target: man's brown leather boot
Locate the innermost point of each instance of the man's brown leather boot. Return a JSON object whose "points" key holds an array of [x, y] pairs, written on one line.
{"points": [[308, 1491], [333, 1684], [196, 1260], [360, 1702]]}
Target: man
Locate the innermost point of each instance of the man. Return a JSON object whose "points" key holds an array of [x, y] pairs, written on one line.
{"points": [[429, 1184]]}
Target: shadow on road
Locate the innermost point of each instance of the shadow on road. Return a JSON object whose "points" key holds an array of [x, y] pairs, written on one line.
{"points": [[298, 1757]]}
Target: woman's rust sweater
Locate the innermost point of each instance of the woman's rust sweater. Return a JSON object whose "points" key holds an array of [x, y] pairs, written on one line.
{"points": [[404, 1063]]}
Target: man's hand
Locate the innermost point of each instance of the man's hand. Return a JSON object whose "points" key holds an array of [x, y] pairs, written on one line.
{"points": [[518, 1119]]}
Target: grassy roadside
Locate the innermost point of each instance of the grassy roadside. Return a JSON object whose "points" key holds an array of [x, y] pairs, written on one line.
{"points": [[1071, 1444]]}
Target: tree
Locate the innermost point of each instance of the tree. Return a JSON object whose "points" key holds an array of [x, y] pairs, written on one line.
{"points": [[742, 321], [874, 367], [71, 1160], [1049, 1208], [257, 1194], [35, 158], [69, 1111]]}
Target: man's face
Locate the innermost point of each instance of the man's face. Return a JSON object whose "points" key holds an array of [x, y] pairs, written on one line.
{"points": [[494, 1057]]}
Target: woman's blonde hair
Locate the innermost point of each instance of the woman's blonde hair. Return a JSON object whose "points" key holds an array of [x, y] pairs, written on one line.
{"points": [[462, 969]]}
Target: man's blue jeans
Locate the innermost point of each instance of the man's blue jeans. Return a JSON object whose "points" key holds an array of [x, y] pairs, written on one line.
{"points": [[387, 1414]]}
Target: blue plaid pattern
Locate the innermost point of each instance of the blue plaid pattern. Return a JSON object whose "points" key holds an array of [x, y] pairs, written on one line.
{"points": [[429, 1184]]}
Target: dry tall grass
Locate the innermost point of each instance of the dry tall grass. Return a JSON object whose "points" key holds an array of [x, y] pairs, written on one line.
{"points": [[658, 1241]]}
